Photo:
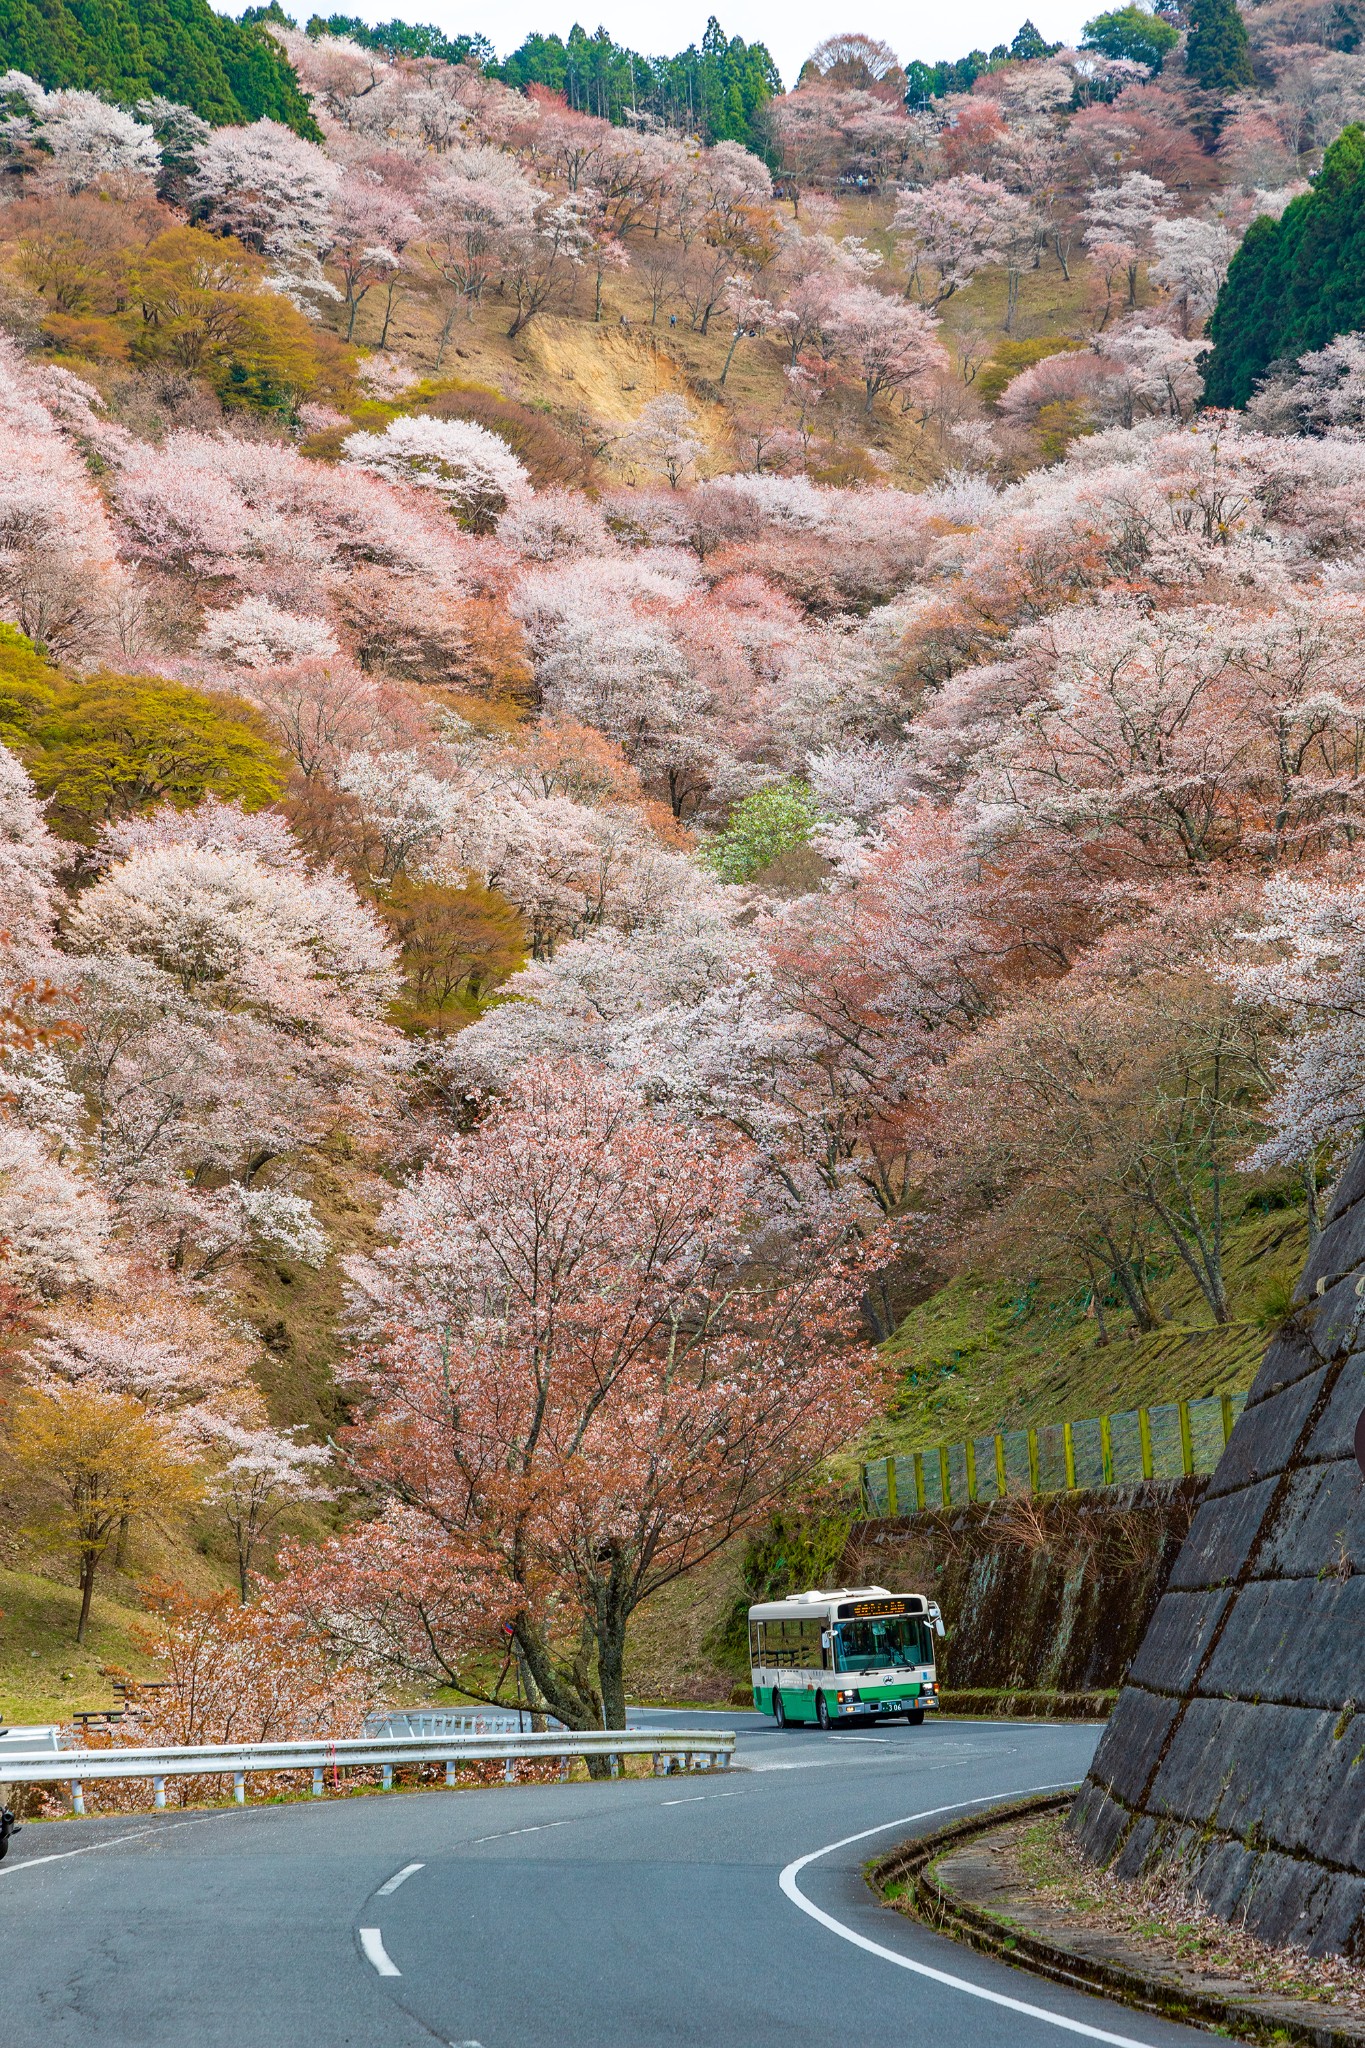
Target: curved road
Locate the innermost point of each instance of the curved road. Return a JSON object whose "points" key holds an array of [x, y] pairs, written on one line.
{"points": [[723, 1910]]}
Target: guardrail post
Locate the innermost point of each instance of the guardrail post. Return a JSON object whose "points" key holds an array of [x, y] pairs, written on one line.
{"points": [[450, 1770], [317, 1782], [509, 1771], [1002, 1485], [1145, 1440], [969, 1452], [388, 1777], [1226, 1404], [660, 1766], [1186, 1439], [77, 1796], [565, 1765], [1106, 1451], [1033, 1461], [919, 1482], [1069, 1453], [239, 1787], [159, 1793]]}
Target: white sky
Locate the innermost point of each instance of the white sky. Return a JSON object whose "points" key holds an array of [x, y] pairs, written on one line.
{"points": [[791, 29]]}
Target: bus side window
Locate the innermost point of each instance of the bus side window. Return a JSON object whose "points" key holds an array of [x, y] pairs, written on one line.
{"points": [[755, 1636]]}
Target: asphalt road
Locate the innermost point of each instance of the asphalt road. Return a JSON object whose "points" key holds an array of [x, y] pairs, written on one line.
{"points": [[724, 1910]]}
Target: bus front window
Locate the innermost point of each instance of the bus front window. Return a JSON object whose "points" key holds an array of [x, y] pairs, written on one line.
{"points": [[895, 1639]]}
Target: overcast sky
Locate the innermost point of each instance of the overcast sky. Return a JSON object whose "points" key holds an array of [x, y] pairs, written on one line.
{"points": [[790, 28]]}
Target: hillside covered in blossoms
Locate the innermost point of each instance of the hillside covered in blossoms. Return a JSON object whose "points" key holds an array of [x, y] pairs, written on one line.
{"points": [[637, 736]]}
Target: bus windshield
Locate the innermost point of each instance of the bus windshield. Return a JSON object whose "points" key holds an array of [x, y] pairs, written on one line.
{"points": [[876, 1645]]}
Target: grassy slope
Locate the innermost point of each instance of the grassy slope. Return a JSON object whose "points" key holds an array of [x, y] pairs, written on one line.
{"points": [[991, 1350], [44, 1674], [565, 361]]}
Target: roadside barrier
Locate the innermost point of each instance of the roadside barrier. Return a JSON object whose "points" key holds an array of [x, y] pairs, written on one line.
{"points": [[698, 1748], [1167, 1441]]}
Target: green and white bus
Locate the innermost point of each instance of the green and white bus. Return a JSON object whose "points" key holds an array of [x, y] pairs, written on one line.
{"points": [[829, 1656]]}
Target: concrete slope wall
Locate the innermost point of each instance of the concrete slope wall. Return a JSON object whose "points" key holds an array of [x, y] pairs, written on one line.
{"points": [[1051, 1594], [1237, 1749]]}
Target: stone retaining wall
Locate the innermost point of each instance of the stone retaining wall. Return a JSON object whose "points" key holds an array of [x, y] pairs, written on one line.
{"points": [[1237, 1748], [1049, 1595]]}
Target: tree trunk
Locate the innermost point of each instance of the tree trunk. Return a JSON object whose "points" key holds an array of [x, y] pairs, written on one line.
{"points": [[389, 297], [89, 1560], [121, 1546]]}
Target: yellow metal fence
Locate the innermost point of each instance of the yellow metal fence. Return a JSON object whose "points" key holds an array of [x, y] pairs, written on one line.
{"points": [[1161, 1442]]}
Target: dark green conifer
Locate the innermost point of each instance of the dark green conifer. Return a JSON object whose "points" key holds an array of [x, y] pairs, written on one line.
{"points": [[1296, 282], [1217, 53]]}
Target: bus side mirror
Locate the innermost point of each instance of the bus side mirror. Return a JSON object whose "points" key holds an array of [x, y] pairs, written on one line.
{"points": [[936, 1617]]}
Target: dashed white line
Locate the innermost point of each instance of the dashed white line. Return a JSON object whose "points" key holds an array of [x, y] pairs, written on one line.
{"points": [[399, 1877], [788, 1878], [695, 1800], [884, 1740], [372, 1942], [508, 1833]]}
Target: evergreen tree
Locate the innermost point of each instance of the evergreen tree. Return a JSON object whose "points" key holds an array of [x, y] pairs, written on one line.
{"points": [[129, 50], [1133, 32], [1296, 282], [1217, 53]]}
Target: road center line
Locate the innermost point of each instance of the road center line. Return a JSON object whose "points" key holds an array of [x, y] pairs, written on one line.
{"points": [[111, 1842], [373, 1944], [884, 1740], [399, 1877], [787, 1881], [695, 1800], [508, 1833]]}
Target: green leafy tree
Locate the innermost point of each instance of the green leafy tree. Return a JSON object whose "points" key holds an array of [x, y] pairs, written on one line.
{"points": [[764, 824], [1133, 32], [457, 945], [1295, 283], [1217, 53], [101, 747], [129, 50]]}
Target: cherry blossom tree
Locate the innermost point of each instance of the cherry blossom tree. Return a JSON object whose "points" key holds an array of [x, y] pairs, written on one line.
{"points": [[1192, 258], [1125, 216], [474, 471], [952, 229], [275, 192], [626, 1398], [890, 346], [664, 438], [85, 140], [260, 1475], [371, 227]]}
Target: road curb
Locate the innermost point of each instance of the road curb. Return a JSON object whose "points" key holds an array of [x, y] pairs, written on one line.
{"points": [[940, 1908]]}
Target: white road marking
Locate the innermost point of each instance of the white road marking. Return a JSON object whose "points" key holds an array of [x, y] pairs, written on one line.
{"points": [[788, 1878], [399, 1877], [804, 1763], [695, 1800], [884, 1740], [507, 1835], [373, 1944], [60, 1855]]}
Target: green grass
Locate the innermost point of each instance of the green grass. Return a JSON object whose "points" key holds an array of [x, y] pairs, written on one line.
{"points": [[992, 1351], [44, 1674]]}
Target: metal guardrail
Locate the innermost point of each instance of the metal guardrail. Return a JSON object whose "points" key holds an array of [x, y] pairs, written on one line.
{"points": [[1166, 1441], [451, 1721], [699, 1748]]}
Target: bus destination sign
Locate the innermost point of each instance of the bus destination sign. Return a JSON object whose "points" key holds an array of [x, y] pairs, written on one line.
{"points": [[861, 1610]]}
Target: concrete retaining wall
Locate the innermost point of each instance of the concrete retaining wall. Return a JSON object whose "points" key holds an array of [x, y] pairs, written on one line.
{"points": [[1237, 1749], [1049, 1595]]}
